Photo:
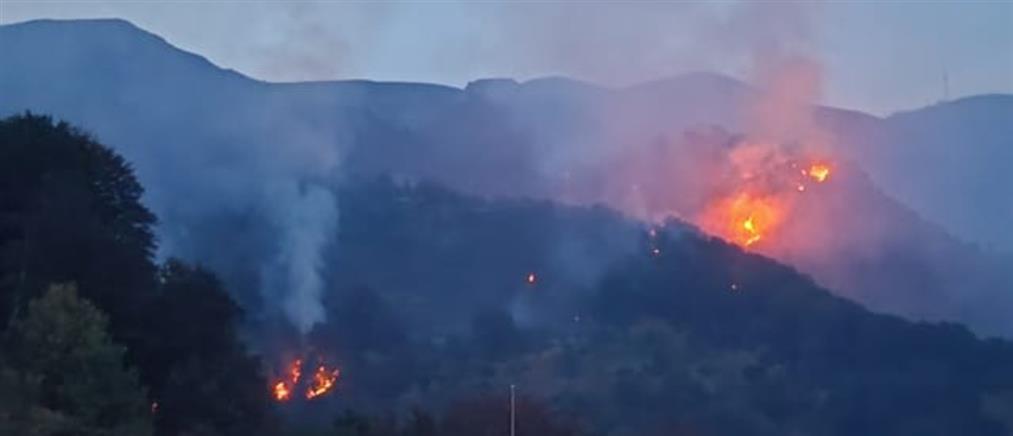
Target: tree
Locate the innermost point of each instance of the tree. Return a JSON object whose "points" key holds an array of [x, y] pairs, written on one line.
{"points": [[199, 370], [361, 320], [352, 423], [489, 415], [71, 374], [70, 211], [420, 424], [496, 334]]}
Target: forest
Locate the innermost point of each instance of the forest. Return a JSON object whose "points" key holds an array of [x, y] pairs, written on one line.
{"points": [[437, 304]]}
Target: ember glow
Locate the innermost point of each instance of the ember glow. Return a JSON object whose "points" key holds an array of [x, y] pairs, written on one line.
{"points": [[818, 172], [282, 392], [744, 219], [763, 195], [323, 381]]}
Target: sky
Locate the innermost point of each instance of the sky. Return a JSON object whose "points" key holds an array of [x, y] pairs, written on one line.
{"points": [[878, 57]]}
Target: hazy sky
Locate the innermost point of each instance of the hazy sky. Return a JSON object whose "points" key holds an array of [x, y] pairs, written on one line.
{"points": [[877, 57]]}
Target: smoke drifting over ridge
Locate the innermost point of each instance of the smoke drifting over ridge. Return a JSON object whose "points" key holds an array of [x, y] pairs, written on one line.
{"points": [[661, 149]]}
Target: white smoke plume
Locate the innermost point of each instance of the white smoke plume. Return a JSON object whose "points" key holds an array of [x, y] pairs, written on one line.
{"points": [[306, 217]]}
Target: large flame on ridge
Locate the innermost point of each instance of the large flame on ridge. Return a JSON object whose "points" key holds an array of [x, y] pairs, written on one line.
{"points": [[744, 218], [762, 195]]}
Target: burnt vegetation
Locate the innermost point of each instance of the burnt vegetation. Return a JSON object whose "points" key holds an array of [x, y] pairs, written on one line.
{"points": [[627, 329]]}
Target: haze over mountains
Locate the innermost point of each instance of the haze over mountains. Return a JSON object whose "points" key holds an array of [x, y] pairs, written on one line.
{"points": [[213, 146]]}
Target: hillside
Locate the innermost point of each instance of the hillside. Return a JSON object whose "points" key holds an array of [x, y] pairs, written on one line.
{"points": [[251, 151], [430, 301], [956, 156]]}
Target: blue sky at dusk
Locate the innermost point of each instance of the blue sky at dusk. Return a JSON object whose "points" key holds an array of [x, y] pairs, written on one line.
{"points": [[878, 57]]}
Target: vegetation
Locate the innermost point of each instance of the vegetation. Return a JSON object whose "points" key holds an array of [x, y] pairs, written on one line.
{"points": [[436, 303], [66, 375], [70, 212]]}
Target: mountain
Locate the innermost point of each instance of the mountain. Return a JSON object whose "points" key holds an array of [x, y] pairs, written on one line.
{"points": [[629, 328], [951, 162], [232, 164], [439, 304]]}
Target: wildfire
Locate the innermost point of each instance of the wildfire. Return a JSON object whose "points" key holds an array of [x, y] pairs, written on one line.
{"points": [[744, 219], [282, 391], [295, 371], [752, 233], [323, 381], [818, 172], [760, 202]]}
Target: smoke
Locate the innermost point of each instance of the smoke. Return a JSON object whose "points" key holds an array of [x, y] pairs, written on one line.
{"points": [[785, 69], [306, 218], [257, 203]]}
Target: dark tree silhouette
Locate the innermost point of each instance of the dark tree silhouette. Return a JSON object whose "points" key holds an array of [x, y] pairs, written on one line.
{"points": [[198, 369], [70, 211], [72, 375]]}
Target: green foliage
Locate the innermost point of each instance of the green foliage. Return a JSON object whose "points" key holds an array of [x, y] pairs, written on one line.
{"points": [[21, 411], [483, 415], [70, 374], [659, 344], [662, 344], [70, 211], [199, 371]]}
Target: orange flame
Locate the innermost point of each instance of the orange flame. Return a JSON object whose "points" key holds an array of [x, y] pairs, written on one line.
{"points": [[752, 233], [282, 392], [759, 203], [295, 371], [818, 172], [744, 219], [323, 381]]}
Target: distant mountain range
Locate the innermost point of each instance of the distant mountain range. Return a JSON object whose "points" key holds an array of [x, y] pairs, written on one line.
{"points": [[208, 141]]}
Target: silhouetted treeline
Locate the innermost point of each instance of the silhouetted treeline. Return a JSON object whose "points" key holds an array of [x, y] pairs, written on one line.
{"points": [[436, 304], [70, 213], [677, 332]]}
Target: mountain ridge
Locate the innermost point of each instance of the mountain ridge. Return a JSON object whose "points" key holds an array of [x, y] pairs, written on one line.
{"points": [[513, 138]]}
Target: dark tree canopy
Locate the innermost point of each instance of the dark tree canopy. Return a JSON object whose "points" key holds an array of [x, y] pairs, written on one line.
{"points": [[70, 211], [198, 369], [72, 376], [665, 332]]}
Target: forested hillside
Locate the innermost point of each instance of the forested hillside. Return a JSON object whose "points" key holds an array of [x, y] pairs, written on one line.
{"points": [[241, 171], [438, 302]]}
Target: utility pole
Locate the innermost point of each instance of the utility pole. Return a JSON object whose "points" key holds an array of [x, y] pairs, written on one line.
{"points": [[513, 413]]}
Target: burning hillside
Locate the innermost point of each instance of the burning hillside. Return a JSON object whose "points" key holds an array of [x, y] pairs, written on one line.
{"points": [[761, 194], [742, 190], [291, 383]]}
